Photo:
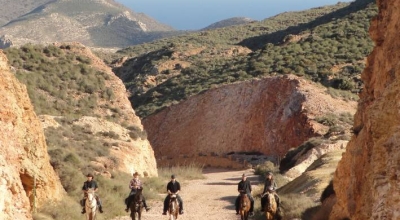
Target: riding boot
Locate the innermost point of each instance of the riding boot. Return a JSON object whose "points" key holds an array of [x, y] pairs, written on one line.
{"points": [[83, 206], [262, 204], [165, 205], [251, 206], [99, 204], [180, 209], [145, 205], [237, 203]]}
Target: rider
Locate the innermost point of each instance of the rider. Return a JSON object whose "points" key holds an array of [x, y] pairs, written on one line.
{"points": [[245, 185], [270, 185], [135, 184], [173, 187], [90, 183]]}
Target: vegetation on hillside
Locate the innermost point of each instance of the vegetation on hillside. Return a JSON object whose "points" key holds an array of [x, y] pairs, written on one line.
{"points": [[59, 82], [327, 45]]}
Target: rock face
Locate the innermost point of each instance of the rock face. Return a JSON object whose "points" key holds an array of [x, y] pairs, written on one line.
{"points": [[367, 178], [23, 152], [269, 116]]}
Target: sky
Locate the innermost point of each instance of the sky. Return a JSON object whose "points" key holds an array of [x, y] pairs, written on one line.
{"points": [[197, 14]]}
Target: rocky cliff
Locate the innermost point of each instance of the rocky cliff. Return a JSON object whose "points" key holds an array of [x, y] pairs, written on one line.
{"points": [[23, 152], [367, 178], [269, 116]]}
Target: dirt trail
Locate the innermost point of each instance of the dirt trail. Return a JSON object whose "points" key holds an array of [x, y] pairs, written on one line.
{"points": [[211, 198]]}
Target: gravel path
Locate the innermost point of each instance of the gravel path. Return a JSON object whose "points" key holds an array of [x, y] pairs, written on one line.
{"points": [[211, 198]]}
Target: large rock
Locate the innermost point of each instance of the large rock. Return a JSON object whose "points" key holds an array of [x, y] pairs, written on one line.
{"points": [[367, 179], [23, 152], [269, 116]]}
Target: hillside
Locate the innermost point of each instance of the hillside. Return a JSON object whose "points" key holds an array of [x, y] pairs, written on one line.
{"points": [[93, 23], [228, 22], [327, 45], [12, 9], [88, 121]]}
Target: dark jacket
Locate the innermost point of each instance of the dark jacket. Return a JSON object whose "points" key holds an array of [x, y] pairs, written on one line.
{"points": [[245, 185], [91, 184], [173, 187]]}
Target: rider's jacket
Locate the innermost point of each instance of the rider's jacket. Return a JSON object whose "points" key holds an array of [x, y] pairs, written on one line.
{"points": [[269, 183], [89, 184], [245, 185], [173, 186], [134, 183]]}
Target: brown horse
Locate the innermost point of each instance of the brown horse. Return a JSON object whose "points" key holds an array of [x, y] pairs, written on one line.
{"points": [[136, 205], [173, 208], [244, 206], [90, 205], [270, 207]]}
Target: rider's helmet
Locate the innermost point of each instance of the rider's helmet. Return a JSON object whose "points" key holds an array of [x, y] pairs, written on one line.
{"points": [[89, 175], [269, 173], [136, 174], [173, 176]]}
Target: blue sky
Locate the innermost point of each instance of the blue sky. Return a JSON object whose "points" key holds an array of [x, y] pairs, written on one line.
{"points": [[197, 14]]}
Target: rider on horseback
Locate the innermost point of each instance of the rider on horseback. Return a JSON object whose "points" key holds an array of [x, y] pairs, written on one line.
{"points": [[244, 185], [134, 185], [270, 185], [90, 183], [173, 187]]}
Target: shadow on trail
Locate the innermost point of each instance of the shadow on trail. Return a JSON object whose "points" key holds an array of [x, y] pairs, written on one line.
{"points": [[251, 178], [231, 200], [221, 183]]}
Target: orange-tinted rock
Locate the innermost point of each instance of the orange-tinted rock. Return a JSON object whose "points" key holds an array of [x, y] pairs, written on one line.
{"points": [[367, 179], [23, 152], [269, 116]]}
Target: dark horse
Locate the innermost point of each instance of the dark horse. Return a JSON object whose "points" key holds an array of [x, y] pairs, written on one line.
{"points": [[136, 205], [244, 206], [173, 207]]}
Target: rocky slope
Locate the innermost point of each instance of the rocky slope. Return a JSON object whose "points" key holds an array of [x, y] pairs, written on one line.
{"points": [[269, 116], [367, 178], [23, 152], [94, 23], [12, 9], [125, 147]]}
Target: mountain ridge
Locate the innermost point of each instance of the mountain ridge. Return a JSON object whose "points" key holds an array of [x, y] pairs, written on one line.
{"points": [[92, 22]]}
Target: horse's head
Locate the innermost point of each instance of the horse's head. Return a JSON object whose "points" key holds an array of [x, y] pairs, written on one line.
{"points": [[90, 194], [271, 203], [138, 195]]}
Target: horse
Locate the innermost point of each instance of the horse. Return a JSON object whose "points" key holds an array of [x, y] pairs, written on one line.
{"points": [[136, 205], [244, 206], [91, 205], [173, 208], [270, 207]]}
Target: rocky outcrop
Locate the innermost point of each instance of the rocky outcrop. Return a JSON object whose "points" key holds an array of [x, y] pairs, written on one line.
{"points": [[367, 178], [23, 152], [269, 116], [306, 157]]}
